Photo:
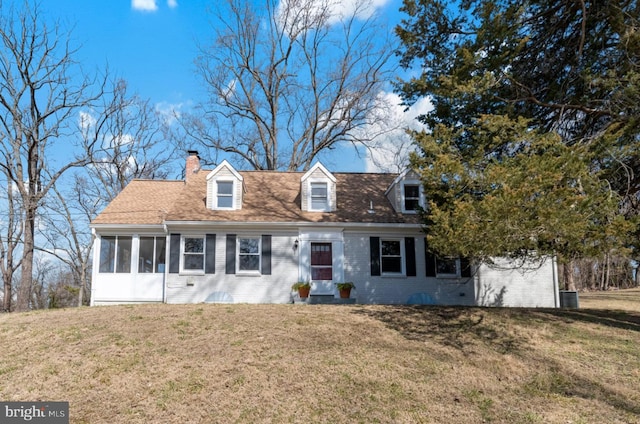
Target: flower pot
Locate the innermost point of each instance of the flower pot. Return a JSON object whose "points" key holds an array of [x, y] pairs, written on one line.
{"points": [[303, 292], [345, 293]]}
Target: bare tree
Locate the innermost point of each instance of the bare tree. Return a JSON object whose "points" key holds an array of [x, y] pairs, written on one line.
{"points": [[129, 131], [42, 89], [288, 80], [9, 241]]}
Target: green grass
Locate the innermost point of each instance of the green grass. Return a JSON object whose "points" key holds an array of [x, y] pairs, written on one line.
{"points": [[333, 364]]}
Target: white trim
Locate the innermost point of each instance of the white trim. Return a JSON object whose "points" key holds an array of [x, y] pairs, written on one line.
{"points": [[421, 200], [321, 167], [403, 259], [450, 276], [216, 195], [329, 192], [181, 269], [243, 272], [305, 224], [397, 180], [224, 164], [116, 229]]}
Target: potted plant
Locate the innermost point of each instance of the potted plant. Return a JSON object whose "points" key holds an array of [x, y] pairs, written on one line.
{"points": [[303, 288], [345, 289]]}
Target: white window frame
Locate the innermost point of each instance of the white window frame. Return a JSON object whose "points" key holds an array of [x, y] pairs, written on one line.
{"points": [[420, 195], [403, 270], [327, 207], [458, 272], [238, 254], [183, 237], [217, 194]]}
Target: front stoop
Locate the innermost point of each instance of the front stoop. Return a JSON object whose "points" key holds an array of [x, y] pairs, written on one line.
{"points": [[322, 299], [329, 300]]}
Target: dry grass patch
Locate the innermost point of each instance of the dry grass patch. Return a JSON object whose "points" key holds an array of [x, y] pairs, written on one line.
{"points": [[297, 363]]}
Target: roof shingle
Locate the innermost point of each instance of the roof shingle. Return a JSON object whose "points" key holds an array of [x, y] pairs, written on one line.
{"points": [[270, 196]]}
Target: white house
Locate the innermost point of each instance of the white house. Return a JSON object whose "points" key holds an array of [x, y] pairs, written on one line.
{"points": [[246, 236]]}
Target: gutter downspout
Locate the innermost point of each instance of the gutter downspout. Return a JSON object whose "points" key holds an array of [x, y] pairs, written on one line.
{"points": [[95, 259], [166, 262], [556, 285]]}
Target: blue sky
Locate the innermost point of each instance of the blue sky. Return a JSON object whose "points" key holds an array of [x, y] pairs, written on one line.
{"points": [[152, 44]]}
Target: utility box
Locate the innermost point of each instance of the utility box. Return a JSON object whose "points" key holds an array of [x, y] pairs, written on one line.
{"points": [[569, 299]]}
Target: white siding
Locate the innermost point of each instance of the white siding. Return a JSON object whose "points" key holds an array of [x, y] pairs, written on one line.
{"points": [[223, 173], [534, 287], [398, 290], [523, 287], [317, 175], [274, 288]]}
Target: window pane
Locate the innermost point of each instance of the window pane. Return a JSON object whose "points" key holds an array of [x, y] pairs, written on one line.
{"points": [[123, 254], [324, 273], [411, 204], [249, 245], [392, 264], [193, 261], [107, 253], [411, 197], [225, 201], [390, 248], [321, 254], [319, 196], [193, 245], [160, 253], [319, 190], [249, 262], [318, 203], [412, 191], [446, 266], [225, 187], [145, 261]]}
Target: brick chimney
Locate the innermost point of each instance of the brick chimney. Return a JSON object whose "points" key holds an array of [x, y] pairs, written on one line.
{"points": [[192, 166]]}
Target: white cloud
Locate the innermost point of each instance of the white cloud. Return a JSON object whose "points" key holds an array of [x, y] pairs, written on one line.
{"points": [[169, 112], [86, 121], [361, 9], [299, 14], [172, 3], [390, 149], [145, 5]]}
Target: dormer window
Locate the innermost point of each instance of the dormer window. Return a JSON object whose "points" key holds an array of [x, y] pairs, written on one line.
{"points": [[225, 188], [412, 199], [224, 194], [319, 199], [318, 190]]}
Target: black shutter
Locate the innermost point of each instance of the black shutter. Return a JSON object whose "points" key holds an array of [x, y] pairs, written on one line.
{"points": [[374, 247], [266, 255], [210, 251], [465, 268], [231, 254], [174, 254], [430, 260], [410, 252]]}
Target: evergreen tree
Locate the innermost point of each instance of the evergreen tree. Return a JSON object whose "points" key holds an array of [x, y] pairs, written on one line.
{"points": [[532, 142]]}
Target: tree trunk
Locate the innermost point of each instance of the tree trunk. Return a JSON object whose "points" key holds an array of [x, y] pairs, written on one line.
{"points": [[6, 300], [26, 278], [569, 283]]}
